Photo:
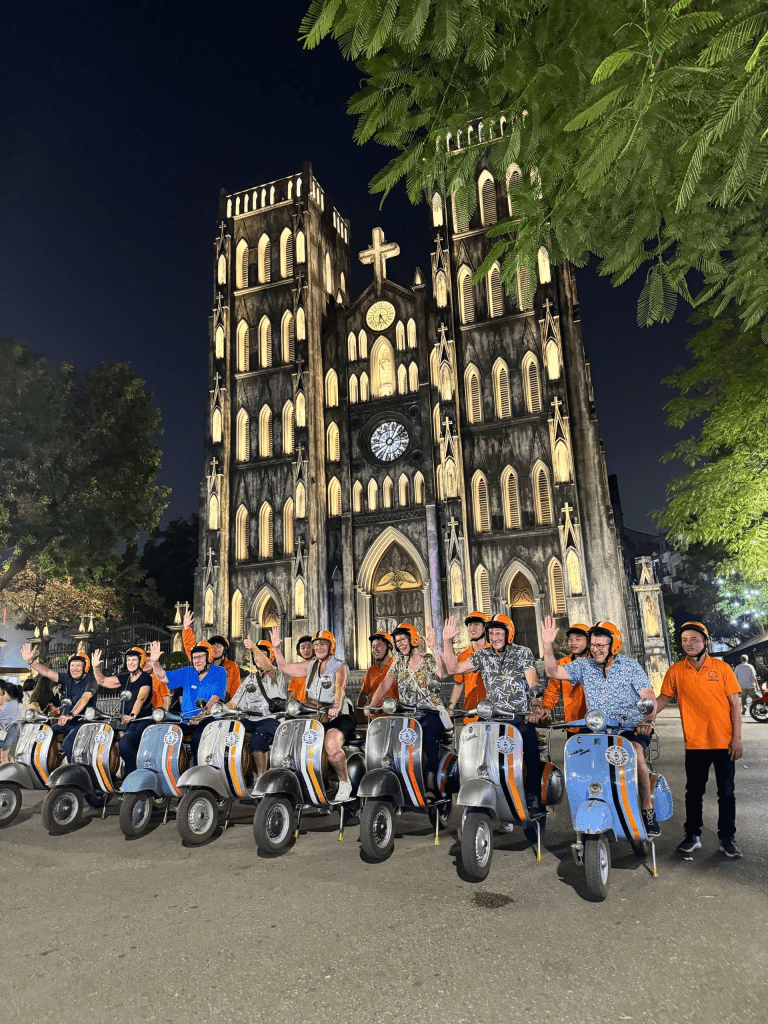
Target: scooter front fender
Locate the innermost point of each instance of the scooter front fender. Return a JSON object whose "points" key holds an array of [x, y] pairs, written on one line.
{"points": [[202, 776], [477, 793], [380, 783], [142, 781], [278, 782], [76, 775], [593, 817], [18, 773]]}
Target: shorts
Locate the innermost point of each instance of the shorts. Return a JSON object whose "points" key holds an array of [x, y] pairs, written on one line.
{"points": [[346, 725], [637, 737], [11, 736], [262, 733]]}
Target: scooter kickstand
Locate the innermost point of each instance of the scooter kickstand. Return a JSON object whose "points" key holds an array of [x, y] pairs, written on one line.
{"points": [[298, 823], [104, 808], [538, 841], [654, 872], [341, 823], [167, 809], [437, 827]]}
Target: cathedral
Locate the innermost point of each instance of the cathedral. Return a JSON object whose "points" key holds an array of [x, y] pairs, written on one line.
{"points": [[419, 450]]}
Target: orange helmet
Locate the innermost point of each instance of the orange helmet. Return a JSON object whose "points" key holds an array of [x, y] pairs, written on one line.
{"points": [[405, 628], [266, 646], [82, 656], [476, 617], [137, 652], [578, 627], [612, 632], [501, 622], [203, 648], [325, 634], [699, 627], [381, 635]]}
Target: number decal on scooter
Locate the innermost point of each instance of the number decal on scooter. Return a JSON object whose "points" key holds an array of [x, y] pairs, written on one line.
{"points": [[407, 736], [617, 756], [505, 744], [310, 736]]}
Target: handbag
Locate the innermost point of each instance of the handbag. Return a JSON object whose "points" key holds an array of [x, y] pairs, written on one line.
{"points": [[275, 704]]}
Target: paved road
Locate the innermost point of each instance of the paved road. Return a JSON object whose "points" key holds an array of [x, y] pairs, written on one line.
{"points": [[97, 928]]}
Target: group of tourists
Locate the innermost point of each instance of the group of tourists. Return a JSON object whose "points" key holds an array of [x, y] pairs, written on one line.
{"points": [[593, 675]]}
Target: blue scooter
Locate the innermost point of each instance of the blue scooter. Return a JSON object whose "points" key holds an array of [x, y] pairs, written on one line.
{"points": [[601, 786], [162, 758]]}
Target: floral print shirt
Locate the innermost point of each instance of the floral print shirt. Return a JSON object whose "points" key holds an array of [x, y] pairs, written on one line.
{"points": [[504, 678], [616, 693], [412, 683]]}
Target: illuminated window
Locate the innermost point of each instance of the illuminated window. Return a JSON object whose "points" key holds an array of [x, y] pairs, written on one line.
{"points": [[357, 496], [241, 534], [495, 292], [402, 380], [446, 383], [332, 443], [266, 541], [243, 437], [286, 253], [418, 489], [216, 426], [543, 495], [483, 590], [531, 383], [480, 505], [561, 463], [441, 289], [331, 389], [352, 347], [457, 584], [514, 175], [382, 368], [486, 190], [241, 264], [413, 377], [287, 337], [402, 490], [265, 342], [219, 342], [301, 410], [437, 210], [288, 527], [373, 495], [545, 271], [299, 599], [213, 513], [400, 336], [301, 324], [301, 500], [222, 270], [362, 345], [472, 391], [510, 498], [288, 439], [466, 296], [434, 366], [556, 588], [501, 390], [243, 345], [328, 275], [334, 497], [573, 568], [301, 247], [365, 391], [387, 492], [236, 624], [451, 479], [552, 359], [208, 608], [265, 432], [265, 260], [353, 392], [437, 427]]}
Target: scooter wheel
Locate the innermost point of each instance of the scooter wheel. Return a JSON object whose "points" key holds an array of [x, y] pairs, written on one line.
{"points": [[10, 802], [377, 829], [197, 816], [597, 866], [759, 712], [477, 845], [62, 810], [135, 814], [273, 824]]}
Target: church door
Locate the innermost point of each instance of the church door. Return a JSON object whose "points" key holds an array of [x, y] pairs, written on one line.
{"points": [[397, 592], [523, 613]]}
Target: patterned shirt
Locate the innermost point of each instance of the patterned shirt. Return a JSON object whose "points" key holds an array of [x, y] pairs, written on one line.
{"points": [[616, 693], [412, 683], [504, 678]]}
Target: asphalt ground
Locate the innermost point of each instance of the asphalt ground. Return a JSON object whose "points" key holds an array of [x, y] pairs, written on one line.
{"points": [[97, 928]]}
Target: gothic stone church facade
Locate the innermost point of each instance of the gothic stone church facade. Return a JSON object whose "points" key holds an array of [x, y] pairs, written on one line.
{"points": [[410, 453]]}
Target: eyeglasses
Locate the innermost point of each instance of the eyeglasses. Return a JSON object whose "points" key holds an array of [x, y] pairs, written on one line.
{"points": [[599, 647]]}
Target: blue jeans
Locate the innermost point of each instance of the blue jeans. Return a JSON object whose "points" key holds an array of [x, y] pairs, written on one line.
{"points": [[130, 742], [68, 731]]}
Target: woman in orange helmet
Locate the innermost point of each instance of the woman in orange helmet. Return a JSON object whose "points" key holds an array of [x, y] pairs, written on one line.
{"points": [[258, 703], [138, 683]]}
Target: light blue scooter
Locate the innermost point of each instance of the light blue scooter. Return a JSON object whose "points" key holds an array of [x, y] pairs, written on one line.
{"points": [[601, 786], [161, 760]]}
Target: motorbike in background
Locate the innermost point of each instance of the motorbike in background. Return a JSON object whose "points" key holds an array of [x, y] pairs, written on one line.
{"points": [[38, 754]]}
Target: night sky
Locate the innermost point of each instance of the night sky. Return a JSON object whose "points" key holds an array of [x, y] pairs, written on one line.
{"points": [[122, 123]]}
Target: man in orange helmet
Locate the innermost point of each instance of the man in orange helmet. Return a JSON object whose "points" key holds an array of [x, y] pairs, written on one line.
{"points": [[574, 704], [508, 671], [317, 682], [78, 686], [613, 684], [220, 646], [471, 682], [382, 650]]}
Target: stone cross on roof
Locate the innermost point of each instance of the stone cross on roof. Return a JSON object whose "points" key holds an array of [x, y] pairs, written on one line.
{"points": [[379, 252]]}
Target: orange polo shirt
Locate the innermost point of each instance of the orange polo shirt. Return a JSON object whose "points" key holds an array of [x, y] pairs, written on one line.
{"points": [[231, 668], [574, 701], [159, 692], [474, 687], [703, 699], [373, 677]]}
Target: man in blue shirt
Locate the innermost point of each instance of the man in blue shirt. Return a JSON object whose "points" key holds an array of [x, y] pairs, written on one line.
{"points": [[612, 684], [201, 680]]}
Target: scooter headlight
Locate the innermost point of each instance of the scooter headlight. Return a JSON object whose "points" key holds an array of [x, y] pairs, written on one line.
{"points": [[158, 715], [292, 708], [595, 720], [90, 714], [484, 708], [217, 710], [29, 716], [389, 705]]}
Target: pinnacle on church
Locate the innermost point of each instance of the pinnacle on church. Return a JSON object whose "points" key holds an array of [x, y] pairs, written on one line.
{"points": [[418, 279]]}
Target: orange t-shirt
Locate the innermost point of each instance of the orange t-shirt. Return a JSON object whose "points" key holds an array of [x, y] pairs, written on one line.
{"points": [[703, 699], [159, 692], [474, 687], [373, 677], [230, 667], [574, 701]]}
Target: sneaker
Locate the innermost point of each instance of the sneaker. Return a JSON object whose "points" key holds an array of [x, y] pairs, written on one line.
{"points": [[651, 824], [689, 844], [343, 793], [730, 849]]}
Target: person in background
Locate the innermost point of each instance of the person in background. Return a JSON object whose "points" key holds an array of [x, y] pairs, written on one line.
{"points": [[747, 678], [10, 713], [574, 702], [304, 647], [382, 648]]}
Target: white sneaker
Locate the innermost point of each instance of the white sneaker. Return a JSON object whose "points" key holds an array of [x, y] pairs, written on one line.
{"points": [[343, 793]]}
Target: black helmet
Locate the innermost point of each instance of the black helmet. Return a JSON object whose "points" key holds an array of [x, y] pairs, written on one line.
{"points": [[306, 639], [218, 639]]}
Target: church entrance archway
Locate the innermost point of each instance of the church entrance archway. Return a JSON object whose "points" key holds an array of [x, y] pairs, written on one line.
{"points": [[265, 614], [523, 612]]}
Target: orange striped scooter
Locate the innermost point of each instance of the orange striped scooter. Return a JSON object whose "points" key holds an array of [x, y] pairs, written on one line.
{"points": [[395, 777], [492, 793], [38, 754]]}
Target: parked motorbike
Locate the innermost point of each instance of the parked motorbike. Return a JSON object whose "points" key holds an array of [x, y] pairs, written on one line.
{"points": [[601, 785], [93, 774], [758, 709], [162, 759], [300, 779], [492, 793], [395, 772], [38, 753]]}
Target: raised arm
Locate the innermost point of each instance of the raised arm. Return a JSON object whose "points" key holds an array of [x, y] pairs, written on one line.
{"points": [[381, 691], [549, 631], [153, 662], [297, 670], [341, 685], [453, 667], [442, 671], [98, 675], [188, 634], [260, 659], [28, 654]]}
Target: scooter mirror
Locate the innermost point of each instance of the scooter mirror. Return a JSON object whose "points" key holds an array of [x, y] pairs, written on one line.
{"points": [[645, 706], [537, 690], [199, 703], [250, 687], [433, 686], [66, 703]]}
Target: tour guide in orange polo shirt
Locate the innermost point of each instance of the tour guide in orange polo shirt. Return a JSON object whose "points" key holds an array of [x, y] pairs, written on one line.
{"points": [[574, 701], [708, 694], [382, 647]]}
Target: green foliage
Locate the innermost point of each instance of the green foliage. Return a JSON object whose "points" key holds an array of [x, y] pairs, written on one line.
{"points": [[644, 120], [723, 498], [77, 467]]}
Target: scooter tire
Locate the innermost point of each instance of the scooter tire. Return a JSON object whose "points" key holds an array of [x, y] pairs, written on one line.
{"points": [[477, 845], [10, 802], [377, 829], [597, 866], [273, 824], [197, 816], [135, 814], [759, 712], [62, 809]]}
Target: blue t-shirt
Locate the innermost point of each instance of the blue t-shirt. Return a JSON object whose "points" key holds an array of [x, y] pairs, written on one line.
{"points": [[615, 694], [213, 684]]}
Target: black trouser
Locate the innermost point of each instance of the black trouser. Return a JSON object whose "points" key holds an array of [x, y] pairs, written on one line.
{"points": [[531, 756], [130, 743], [697, 765], [432, 727]]}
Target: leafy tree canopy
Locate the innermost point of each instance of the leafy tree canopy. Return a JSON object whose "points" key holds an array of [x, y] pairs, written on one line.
{"points": [[639, 128], [170, 558], [723, 497], [78, 461]]}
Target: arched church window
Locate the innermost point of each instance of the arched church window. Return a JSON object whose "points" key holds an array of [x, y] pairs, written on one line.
{"points": [[301, 247], [402, 380], [301, 410], [510, 498], [208, 607], [543, 495], [219, 342], [301, 501], [334, 497], [213, 512], [288, 441], [243, 437], [382, 368], [446, 383], [216, 424], [531, 383], [236, 623], [552, 358], [265, 432], [413, 377], [561, 463], [441, 289], [466, 296], [362, 345], [457, 584], [418, 489], [402, 490], [486, 190], [331, 389], [353, 392], [411, 331], [357, 496], [545, 270], [514, 175], [373, 495], [288, 527], [437, 210], [332, 443], [301, 324], [243, 346], [265, 342], [266, 543], [365, 391], [556, 588], [481, 508], [352, 347], [265, 259], [221, 274], [483, 590], [241, 264], [573, 568], [501, 390], [299, 599], [328, 274], [241, 534], [400, 336], [286, 253], [495, 292], [472, 392]]}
